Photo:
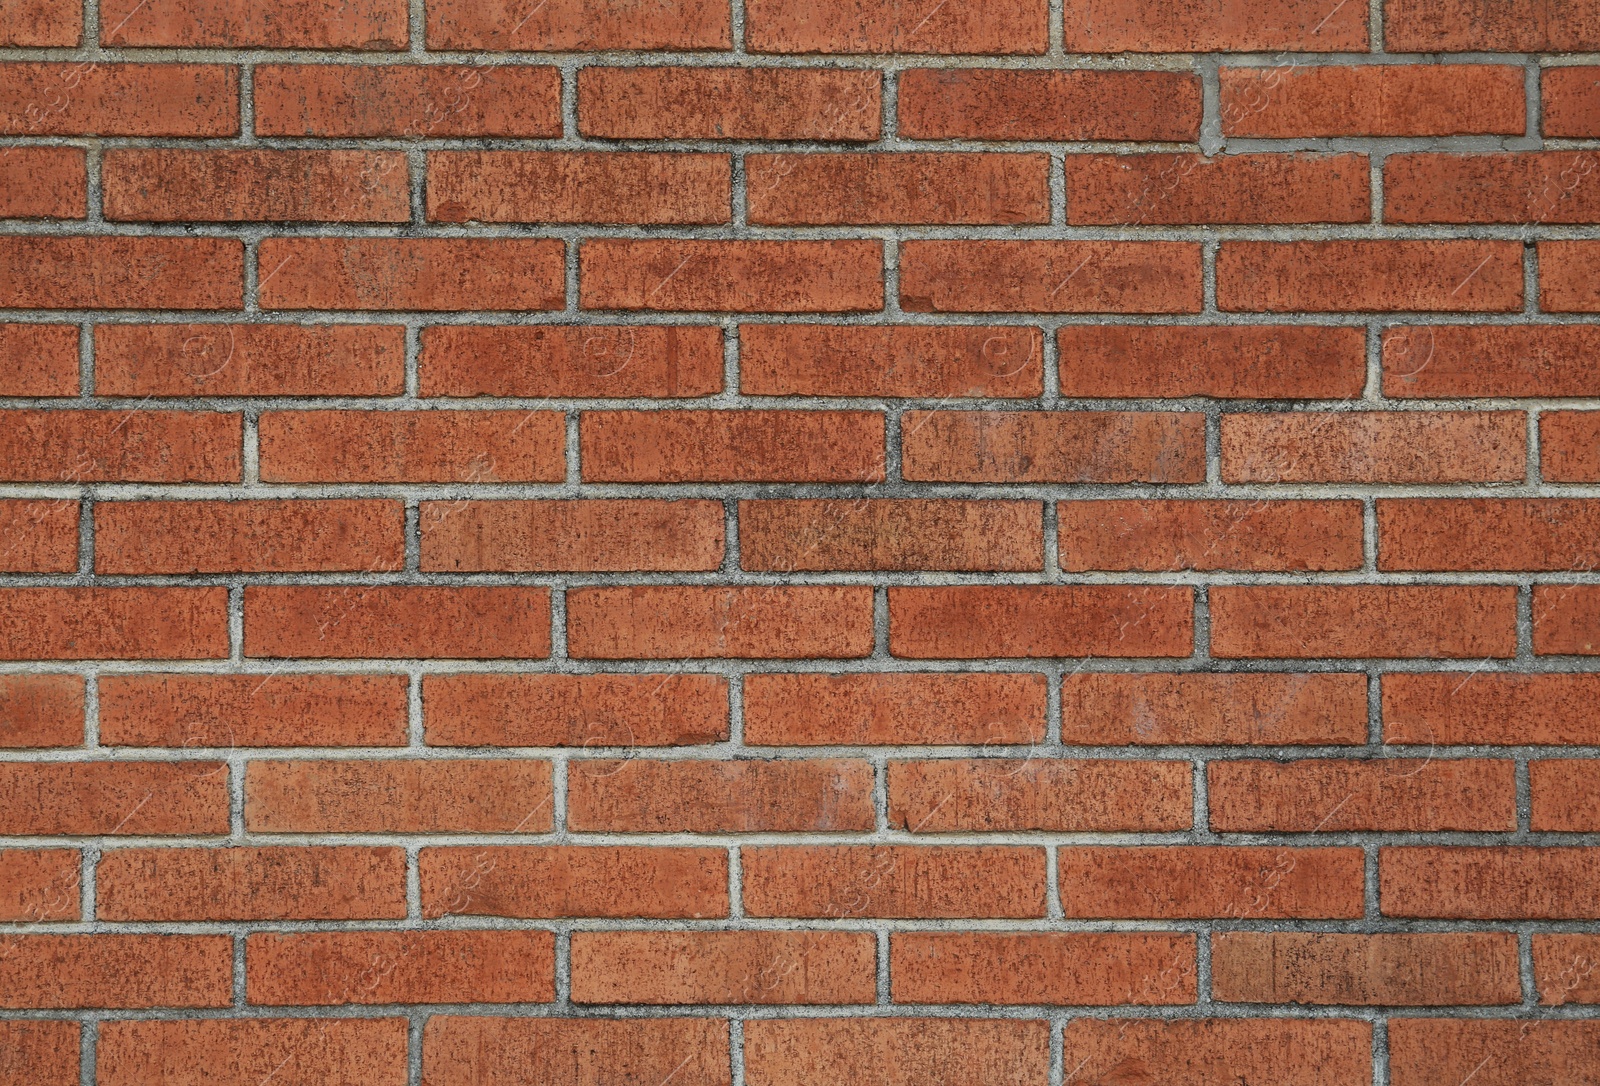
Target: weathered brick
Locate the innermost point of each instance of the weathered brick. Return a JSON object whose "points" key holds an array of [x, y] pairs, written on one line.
{"points": [[1262, 708], [38, 360], [1569, 276], [1569, 446], [583, 361], [248, 536], [1296, 101], [1570, 102], [574, 710], [43, 183], [1375, 447], [40, 885], [412, 273], [1095, 969], [636, 795], [847, 26], [914, 881], [1496, 1052], [120, 446], [1421, 970], [838, 276], [249, 360], [480, 1051], [248, 1051], [121, 273], [1036, 793], [412, 446], [1206, 535], [1231, 26], [700, 967], [897, 1051], [1053, 446], [1356, 621], [573, 25], [584, 535], [1566, 794], [980, 621], [1470, 708], [393, 796], [396, 622], [869, 534], [893, 709], [1190, 1052], [557, 881], [113, 623], [43, 23], [729, 103], [41, 710], [1147, 190], [1491, 883], [271, 710], [276, 24], [647, 622], [252, 883], [39, 1050], [1564, 968], [731, 446], [145, 799], [410, 100], [1523, 187], [1400, 795], [1486, 533], [116, 971], [245, 186], [309, 969], [1194, 882], [578, 187], [898, 187], [1281, 362], [1566, 619], [1037, 104], [1043, 277], [1447, 361], [1519, 26], [890, 361], [39, 536], [53, 98], [1338, 276]]}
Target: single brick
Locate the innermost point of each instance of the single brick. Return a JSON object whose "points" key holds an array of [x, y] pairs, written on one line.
{"points": [[1206, 535], [1569, 446], [731, 446], [113, 623], [1039, 104], [480, 1051], [90, 98], [1447, 361], [1570, 102], [1566, 618], [275, 24], [43, 183], [39, 885], [132, 446], [1399, 795], [864, 534], [623, 534], [1043, 277], [1297, 101], [1296, 622], [39, 536], [1198, 882], [578, 25], [931, 188], [249, 360], [1486, 533], [1060, 795], [1215, 26], [729, 103], [248, 536], [321, 969], [1375, 447], [43, 23], [248, 186], [894, 709], [38, 360], [701, 967], [1566, 794], [636, 795], [574, 710], [1494, 883], [245, 883], [412, 446], [1517, 26], [913, 361], [1495, 1052], [432, 274], [557, 881], [426, 101], [655, 622], [1064, 969], [121, 273], [1190, 1052], [990, 446], [1569, 276], [393, 796], [1280, 362], [145, 799], [397, 621], [40, 1050], [1261, 708], [1381, 970], [1522, 187], [1148, 190], [586, 361], [271, 710], [838, 276], [911, 881], [848, 26], [1564, 968], [897, 1051], [1356, 276], [1472, 708], [117, 971], [41, 711], [250, 1051], [578, 187], [972, 622]]}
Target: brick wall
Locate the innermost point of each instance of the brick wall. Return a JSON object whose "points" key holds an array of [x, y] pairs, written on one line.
{"points": [[593, 542]]}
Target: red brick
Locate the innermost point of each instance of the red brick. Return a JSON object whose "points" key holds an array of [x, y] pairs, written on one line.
{"points": [[1197, 882], [1495, 1052], [1076, 969], [479, 1051], [1526, 187], [1266, 708], [1570, 102], [848, 26], [1278, 363], [1486, 533], [121, 273], [863, 534], [241, 883], [38, 886], [894, 881], [91, 98], [893, 709], [121, 971], [433, 101], [586, 361], [898, 187], [41, 23], [1214, 26], [249, 360], [1566, 794], [113, 623], [43, 183], [557, 881], [276, 24], [245, 186], [702, 796], [1518, 26], [1036, 793], [1357, 621], [1447, 361], [1339, 276], [41, 711], [654, 622], [1296, 101], [1401, 795], [890, 360], [38, 360], [1564, 968], [1034, 277], [145, 799], [574, 710], [432, 274], [702, 967], [585, 535], [39, 536], [576, 25], [1248, 535], [1038, 104], [1365, 970], [837, 276], [979, 621], [397, 622], [897, 1051], [377, 967], [729, 103], [1467, 708], [271, 710], [1566, 618], [393, 796], [248, 536], [1194, 1052], [1506, 883], [992, 446], [39, 1051], [250, 1051], [412, 446], [133, 446], [1375, 447], [1569, 276], [1146, 190], [1569, 446], [731, 446], [578, 187]]}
